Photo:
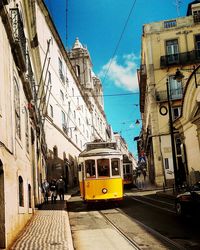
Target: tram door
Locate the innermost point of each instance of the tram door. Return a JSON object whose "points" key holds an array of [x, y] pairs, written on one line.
{"points": [[81, 179]]}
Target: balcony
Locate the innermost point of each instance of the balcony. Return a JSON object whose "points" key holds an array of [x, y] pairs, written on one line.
{"points": [[185, 58], [175, 94], [19, 39]]}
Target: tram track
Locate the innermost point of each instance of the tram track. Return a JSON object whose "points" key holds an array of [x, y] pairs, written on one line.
{"points": [[168, 242], [128, 239]]}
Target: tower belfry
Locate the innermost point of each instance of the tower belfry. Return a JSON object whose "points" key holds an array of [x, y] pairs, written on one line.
{"points": [[81, 61], [82, 64]]}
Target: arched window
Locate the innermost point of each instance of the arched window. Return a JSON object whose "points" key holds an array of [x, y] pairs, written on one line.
{"points": [[21, 191], [17, 109], [29, 195], [78, 70]]}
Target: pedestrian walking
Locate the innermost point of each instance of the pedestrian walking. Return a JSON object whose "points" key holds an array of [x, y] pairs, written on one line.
{"points": [[53, 191], [61, 188], [45, 190]]}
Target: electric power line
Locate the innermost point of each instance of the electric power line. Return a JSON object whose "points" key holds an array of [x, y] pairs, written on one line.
{"points": [[120, 38]]}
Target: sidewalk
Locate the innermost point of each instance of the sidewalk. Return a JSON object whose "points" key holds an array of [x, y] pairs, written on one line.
{"points": [[168, 193], [48, 229]]}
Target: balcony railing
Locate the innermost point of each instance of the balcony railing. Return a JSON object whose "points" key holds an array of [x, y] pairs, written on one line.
{"points": [[175, 94], [185, 58], [19, 37]]}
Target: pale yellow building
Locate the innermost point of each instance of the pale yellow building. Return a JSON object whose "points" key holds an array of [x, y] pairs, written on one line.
{"points": [[22, 139], [166, 46]]}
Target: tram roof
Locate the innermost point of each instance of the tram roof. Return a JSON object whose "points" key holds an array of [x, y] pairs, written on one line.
{"points": [[100, 152]]}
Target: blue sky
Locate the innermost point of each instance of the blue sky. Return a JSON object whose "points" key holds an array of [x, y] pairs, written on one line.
{"points": [[111, 30]]}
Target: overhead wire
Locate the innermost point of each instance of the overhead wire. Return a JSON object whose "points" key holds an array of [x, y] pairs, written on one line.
{"points": [[120, 38]]}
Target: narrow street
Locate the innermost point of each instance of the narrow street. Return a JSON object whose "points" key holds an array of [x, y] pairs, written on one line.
{"points": [[144, 217]]}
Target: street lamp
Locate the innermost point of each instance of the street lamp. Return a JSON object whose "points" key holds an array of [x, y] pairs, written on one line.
{"points": [[172, 136]]}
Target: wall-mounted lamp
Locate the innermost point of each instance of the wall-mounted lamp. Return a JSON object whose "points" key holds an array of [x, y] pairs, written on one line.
{"points": [[137, 122], [178, 76]]}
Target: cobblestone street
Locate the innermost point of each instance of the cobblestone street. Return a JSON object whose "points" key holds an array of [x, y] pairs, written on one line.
{"points": [[48, 229]]}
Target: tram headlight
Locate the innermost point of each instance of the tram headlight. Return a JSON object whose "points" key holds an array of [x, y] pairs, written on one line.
{"points": [[104, 190]]}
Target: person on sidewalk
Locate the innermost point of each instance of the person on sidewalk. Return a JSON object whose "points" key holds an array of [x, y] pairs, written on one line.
{"points": [[45, 190], [61, 188], [53, 189]]}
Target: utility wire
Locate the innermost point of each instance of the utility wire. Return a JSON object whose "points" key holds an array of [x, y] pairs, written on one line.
{"points": [[117, 46]]}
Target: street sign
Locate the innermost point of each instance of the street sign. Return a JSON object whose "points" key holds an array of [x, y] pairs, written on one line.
{"points": [[142, 160]]}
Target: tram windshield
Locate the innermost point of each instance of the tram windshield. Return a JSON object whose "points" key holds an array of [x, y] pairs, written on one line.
{"points": [[115, 167], [90, 168], [103, 167]]}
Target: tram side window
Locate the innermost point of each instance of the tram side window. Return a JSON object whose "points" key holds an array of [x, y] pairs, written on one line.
{"points": [[115, 167], [103, 167], [90, 168]]}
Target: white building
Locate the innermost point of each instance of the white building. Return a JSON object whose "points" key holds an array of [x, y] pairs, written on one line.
{"points": [[72, 99], [22, 159]]}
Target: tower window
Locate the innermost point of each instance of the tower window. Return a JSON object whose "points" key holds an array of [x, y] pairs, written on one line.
{"points": [[78, 70]]}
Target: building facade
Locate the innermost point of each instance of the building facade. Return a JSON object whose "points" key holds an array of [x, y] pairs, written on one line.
{"points": [[22, 138], [166, 46]]}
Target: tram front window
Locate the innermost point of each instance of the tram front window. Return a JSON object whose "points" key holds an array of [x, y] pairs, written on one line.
{"points": [[103, 168], [90, 168], [115, 167]]}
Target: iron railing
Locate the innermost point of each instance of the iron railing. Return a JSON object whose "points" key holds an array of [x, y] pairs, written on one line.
{"points": [[19, 38], [175, 94], [185, 58]]}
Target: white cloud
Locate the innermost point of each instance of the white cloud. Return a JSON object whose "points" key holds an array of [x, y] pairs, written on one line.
{"points": [[122, 75]]}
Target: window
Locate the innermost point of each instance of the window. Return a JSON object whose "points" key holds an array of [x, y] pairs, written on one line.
{"points": [[74, 115], [72, 92], [115, 163], [196, 16], [166, 160], [172, 51], [79, 121], [49, 79], [63, 117], [78, 70], [29, 195], [17, 109], [197, 45], [62, 95], [103, 167], [175, 88], [51, 110], [90, 168], [169, 24], [55, 151], [26, 130], [76, 139], [21, 191], [60, 69], [176, 112]]}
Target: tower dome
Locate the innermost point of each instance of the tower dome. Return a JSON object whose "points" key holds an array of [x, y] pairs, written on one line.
{"points": [[77, 44]]}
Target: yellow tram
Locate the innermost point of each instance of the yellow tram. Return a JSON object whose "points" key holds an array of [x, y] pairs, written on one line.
{"points": [[101, 172], [128, 174]]}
